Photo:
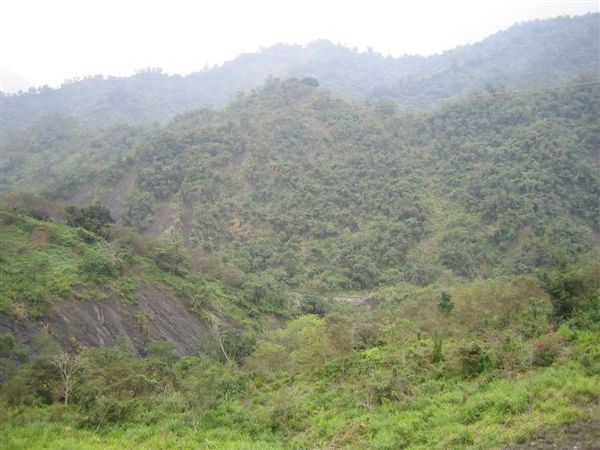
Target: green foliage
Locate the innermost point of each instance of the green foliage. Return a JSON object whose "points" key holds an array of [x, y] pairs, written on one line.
{"points": [[238, 344], [445, 304], [574, 294], [369, 378], [313, 304], [545, 352], [137, 211], [328, 195], [437, 355], [290, 196], [93, 218], [264, 290], [474, 360], [169, 257], [7, 344]]}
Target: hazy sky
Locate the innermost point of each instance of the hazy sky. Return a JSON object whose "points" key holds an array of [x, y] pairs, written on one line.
{"points": [[49, 41]]}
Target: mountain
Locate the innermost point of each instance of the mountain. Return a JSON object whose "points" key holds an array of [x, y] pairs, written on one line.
{"points": [[363, 252], [525, 55], [322, 193]]}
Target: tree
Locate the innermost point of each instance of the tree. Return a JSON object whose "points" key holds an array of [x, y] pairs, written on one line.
{"points": [[93, 218], [235, 344], [68, 366], [313, 304], [445, 303]]}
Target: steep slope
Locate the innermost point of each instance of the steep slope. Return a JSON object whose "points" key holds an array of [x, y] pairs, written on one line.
{"points": [[80, 289], [549, 51]]}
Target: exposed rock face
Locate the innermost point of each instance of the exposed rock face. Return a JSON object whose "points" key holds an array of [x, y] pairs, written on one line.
{"points": [[94, 323], [22, 330], [158, 315], [169, 319]]}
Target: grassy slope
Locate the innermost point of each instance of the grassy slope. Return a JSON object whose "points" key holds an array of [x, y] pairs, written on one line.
{"points": [[43, 262], [485, 413]]}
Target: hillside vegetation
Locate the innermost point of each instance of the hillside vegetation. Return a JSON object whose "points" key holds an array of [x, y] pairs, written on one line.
{"points": [[358, 252], [478, 365], [311, 191]]}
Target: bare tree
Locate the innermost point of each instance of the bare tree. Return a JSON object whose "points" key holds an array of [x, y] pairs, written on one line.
{"points": [[68, 366]]}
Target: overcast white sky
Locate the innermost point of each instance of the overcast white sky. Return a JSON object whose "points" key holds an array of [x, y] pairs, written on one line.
{"points": [[49, 41]]}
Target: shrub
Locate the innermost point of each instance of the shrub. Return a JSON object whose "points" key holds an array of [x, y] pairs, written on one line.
{"points": [[95, 264], [511, 354], [7, 344], [170, 258], [473, 361], [545, 352], [93, 218], [437, 354], [237, 343], [313, 304], [445, 303]]}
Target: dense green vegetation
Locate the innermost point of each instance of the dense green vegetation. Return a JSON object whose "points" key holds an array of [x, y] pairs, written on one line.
{"points": [[529, 54], [296, 270], [292, 184], [511, 358]]}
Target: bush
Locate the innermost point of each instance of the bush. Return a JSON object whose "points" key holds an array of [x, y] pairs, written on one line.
{"points": [[93, 218], [95, 264], [170, 258], [32, 205], [313, 304], [545, 352], [237, 343], [511, 354], [7, 344], [473, 361], [445, 304], [437, 355]]}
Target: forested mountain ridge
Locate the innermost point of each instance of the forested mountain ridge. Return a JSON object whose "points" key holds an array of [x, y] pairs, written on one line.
{"points": [[319, 192], [319, 262], [529, 54]]}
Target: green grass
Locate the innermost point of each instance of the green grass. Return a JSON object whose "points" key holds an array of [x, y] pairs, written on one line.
{"points": [[476, 414]]}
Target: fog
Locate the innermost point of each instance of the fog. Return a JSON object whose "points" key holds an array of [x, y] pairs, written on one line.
{"points": [[47, 42]]}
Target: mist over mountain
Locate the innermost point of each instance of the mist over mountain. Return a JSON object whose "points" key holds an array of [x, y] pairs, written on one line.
{"points": [[525, 55]]}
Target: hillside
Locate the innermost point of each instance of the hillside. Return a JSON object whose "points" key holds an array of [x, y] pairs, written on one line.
{"points": [[357, 252], [529, 54], [98, 288], [330, 195], [487, 364]]}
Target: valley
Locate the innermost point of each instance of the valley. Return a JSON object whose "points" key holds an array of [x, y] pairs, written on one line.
{"points": [[309, 247]]}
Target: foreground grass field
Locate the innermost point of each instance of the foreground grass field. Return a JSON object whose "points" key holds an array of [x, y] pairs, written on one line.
{"points": [[488, 412]]}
